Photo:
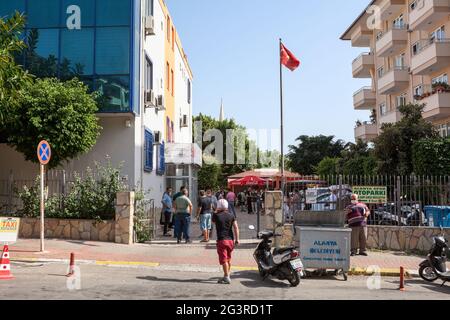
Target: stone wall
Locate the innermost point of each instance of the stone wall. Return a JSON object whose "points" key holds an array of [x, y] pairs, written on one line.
{"points": [[119, 230], [407, 239], [88, 230]]}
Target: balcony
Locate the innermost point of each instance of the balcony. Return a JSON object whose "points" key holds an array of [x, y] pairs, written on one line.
{"points": [[437, 102], [430, 56], [361, 37], [427, 12], [390, 8], [364, 99], [392, 42], [366, 132], [390, 117], [395, 80], [362, 66]]}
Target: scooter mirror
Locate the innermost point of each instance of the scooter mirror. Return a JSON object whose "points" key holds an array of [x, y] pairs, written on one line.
{"points": [[251, 227]]}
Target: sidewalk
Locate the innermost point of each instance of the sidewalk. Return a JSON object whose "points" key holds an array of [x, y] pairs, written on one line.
{"points": [[170, 255]]}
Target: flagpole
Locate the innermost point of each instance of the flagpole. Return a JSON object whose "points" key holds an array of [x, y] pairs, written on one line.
{"points": [[282, 122]]}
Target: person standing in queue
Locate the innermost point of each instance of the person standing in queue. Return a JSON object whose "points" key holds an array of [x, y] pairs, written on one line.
{"points": [[183, 211]]}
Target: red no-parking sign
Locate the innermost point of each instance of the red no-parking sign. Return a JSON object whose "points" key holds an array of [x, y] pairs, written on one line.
{"points": [[44, 152]]}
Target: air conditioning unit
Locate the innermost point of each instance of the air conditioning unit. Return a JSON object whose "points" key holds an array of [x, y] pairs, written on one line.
{"points": [[149, 98], [160, 103], [149, 26], [184, 121], [158, 137]]}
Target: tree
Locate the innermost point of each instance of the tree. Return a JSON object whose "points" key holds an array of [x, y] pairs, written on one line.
{"points": [[394, 146], [12, 77], [209, 176], [432, 157], [357, 159], [328, 166], [305, 157], [63, 113]]}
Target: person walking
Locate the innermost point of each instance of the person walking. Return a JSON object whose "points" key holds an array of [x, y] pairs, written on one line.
{"points": [[231, 198], [357, 214], [205, 211], [167, 210], [248, 196], [183, 209], [226, 224]]}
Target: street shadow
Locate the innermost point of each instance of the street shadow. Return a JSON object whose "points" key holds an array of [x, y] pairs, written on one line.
{"points": [[22, 251], [251, 279], [204, 281], [83, 243], [433, 286]]}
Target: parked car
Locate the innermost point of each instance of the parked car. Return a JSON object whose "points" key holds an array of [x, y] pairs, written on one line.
{"points": [[389, 214]]}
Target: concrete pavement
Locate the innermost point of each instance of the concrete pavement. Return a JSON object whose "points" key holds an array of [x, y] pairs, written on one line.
{"points": [[45, 281]]}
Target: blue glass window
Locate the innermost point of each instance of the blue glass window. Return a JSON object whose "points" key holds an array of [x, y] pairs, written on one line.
{"points": [[113, 12], [7, 8], [115, 93], [148, 151], [87, 10], [41, 56], [113, 51], [43, 13], [77, 47]]}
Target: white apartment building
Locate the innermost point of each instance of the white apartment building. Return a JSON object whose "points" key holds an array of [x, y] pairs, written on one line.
{"points": [[407, 61]]}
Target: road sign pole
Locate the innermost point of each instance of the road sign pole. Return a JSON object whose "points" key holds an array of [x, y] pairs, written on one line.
{"points": [[42, 207]]}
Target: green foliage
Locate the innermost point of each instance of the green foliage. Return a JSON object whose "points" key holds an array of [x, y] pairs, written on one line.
{"points": [[305, 157], [393, 147], [12, 76], [432, 157], [328, 166], [143, 224], [63, 113], [92, 197], [210, 171]]}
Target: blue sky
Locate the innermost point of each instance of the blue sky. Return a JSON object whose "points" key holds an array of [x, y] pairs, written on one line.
{"points": [[232, 47]]}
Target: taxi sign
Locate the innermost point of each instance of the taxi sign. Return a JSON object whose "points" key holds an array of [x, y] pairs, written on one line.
{"points": [[44, 152], [9, 228]]}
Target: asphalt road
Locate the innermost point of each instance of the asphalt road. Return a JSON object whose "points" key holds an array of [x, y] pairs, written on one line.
{"points": [[47, 281]]}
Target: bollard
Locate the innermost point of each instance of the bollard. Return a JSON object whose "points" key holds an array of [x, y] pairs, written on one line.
{"points": [[71, 265], [402, 279]]}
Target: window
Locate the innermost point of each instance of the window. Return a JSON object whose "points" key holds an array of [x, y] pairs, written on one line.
{"points": [[7, 8], [161, 169], [442, 78], [113, 50], [116, 92], [438, 34], [168, 29], [43, 14], [173, 38], [168, 76], [413, 5], [399, 23], [42, 60], [168, 129], [399, 62], [148, 151], [173, 83], [416, 48], [380, 72], [189, 91], [401, 100], [444, 130], [78, 48], [148, 74], [418, 91], [113, 12], [383, 109], [149, 7]]}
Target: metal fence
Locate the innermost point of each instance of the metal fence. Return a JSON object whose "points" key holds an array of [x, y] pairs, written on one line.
{"points": [[408, 200]]}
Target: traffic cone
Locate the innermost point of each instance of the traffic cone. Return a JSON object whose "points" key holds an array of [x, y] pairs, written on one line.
{"points": [[5, 266]]}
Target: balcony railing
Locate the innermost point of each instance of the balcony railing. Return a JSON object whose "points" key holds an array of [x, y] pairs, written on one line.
{"points": [[421, 45], [395, 27], [361, 56], [395, 68], [361, 90]]}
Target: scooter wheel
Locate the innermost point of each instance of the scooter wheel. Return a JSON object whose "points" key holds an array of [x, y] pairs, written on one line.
{"points": [[427, 273]]}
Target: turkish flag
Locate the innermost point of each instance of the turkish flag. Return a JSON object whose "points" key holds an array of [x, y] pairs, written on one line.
{"points": [[288, 59]]}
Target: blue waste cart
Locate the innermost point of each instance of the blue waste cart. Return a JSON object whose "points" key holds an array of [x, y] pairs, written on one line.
{"points": [[438, 216]]}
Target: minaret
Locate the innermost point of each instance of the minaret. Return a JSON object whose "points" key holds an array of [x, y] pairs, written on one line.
{"points": [[222, 112]]}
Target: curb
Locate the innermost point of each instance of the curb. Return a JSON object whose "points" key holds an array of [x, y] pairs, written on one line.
{"points": [[354, 271]]}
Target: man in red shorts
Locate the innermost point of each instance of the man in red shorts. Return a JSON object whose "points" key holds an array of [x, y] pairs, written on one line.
{"points": [[225, 225]]}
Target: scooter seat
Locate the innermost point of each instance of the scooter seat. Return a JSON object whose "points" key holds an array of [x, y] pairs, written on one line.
{"points": [[282, 250], [266, 234]]}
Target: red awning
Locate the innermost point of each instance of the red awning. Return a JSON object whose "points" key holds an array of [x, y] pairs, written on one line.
{"points": [[248, 181]]}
